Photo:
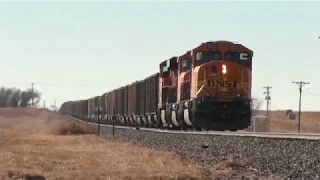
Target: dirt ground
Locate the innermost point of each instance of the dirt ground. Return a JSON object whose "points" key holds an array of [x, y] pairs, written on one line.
{"points": [[279, 122], [39, 144]]}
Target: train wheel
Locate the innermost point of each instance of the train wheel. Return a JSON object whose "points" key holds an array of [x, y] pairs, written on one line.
{"points": [[183, 125], [197, 120]]}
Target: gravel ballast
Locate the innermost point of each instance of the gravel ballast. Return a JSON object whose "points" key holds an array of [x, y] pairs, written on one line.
{"points": [[268, 157]]}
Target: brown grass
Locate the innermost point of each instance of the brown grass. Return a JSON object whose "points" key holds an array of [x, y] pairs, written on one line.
{"points": [[89, 157], [33, 143], [310, 122], [24, 121]]}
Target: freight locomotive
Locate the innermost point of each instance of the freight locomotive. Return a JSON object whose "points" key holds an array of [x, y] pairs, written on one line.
{"points": [[208, 87]]}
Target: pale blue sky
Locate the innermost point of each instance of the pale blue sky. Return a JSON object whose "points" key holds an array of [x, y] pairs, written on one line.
{"points": [[64, 47]]}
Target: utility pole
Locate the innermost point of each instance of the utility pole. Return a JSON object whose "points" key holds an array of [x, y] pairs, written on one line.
{"points": [[268, 98], [44, 103], [32, 95], [300, 84], [54, 106]]}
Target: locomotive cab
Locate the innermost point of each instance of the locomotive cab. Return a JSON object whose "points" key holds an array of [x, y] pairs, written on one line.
{"points": [[221, 86], [167, 90], [184, 77]]}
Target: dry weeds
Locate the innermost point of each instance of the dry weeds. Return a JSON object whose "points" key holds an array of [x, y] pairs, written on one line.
{"points": [[310, 122], [24, 121], [34, 145]]}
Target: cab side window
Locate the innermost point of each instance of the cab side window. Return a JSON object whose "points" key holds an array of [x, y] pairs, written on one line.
{"points": [[186, 64]]}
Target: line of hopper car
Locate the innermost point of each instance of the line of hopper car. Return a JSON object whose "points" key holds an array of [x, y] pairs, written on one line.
{"points": [[208, 87]]}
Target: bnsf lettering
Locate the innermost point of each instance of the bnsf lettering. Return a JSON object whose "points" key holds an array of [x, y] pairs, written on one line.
{"points": [[221, 83]]}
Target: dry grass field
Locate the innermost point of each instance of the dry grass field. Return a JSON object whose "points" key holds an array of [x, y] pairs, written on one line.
{"points": [[310, 122], [38, 144]]}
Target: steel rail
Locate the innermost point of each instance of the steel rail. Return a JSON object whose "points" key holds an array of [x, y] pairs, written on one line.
{"points": [[280, 135]]}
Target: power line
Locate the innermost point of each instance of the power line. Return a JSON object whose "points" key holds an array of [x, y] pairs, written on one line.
{"points": [[268, 98], [312, 93], [300, 84]]}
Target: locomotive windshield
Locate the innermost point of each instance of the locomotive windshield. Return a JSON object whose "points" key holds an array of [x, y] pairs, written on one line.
{"points": [[164, 69], [207, 56], [239, 57], [186, 64], [166, 66]]}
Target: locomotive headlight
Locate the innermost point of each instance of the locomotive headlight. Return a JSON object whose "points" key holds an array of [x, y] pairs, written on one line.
{"points": [[224, 69]]}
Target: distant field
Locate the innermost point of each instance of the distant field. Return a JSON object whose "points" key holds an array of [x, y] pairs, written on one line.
{"points": [[310, 122], [34, 143]]}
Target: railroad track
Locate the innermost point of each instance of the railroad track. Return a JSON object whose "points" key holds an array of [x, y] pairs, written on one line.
{"points": [[222, 133]]}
